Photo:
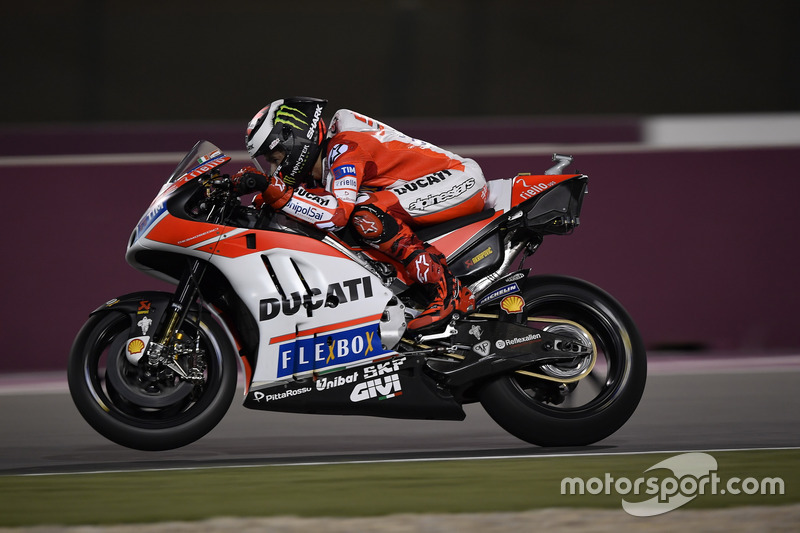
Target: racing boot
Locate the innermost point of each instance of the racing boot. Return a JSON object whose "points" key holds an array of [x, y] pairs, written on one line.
{"points": [[462, 297], [465, 302], [446, 294]]}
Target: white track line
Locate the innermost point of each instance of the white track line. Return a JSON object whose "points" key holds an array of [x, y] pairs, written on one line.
{"points": [[415, 460]]}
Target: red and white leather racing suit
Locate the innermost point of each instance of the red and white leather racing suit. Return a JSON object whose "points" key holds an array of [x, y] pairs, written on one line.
{"points": [[388, 183], [428, 184]]}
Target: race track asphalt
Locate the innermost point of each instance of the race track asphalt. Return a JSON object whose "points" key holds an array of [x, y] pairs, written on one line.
{"points": [[692, 402]]}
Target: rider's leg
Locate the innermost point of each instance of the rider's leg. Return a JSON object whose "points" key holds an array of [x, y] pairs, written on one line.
{"points": [[422, 262]]}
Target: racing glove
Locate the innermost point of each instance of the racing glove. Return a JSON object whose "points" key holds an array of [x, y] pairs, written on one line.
{"points": [[276, 195], [249, 180]]}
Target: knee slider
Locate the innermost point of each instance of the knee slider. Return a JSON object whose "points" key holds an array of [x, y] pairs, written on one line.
{"points": [[373, 225]]}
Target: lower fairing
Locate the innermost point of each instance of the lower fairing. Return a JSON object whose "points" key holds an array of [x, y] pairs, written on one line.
{"points": [[395, 387]]}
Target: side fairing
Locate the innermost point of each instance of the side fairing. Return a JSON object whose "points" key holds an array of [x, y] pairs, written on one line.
{"points": [[315, 308], [314, 312]]}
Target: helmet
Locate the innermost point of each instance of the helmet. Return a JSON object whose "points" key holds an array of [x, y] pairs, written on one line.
{"points": [[293, 125]]}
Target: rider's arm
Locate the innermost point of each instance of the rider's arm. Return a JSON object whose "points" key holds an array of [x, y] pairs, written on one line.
{"points": [[319, 208], [330, 208], [315, 206]]}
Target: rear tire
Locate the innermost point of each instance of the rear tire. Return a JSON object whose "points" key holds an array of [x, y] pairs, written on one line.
{"points": [[540, 411], [112, 397]]}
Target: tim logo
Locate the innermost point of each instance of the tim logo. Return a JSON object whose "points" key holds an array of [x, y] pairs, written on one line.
{"points": [[344, 170]]}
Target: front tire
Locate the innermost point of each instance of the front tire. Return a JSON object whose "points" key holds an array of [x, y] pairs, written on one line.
{"points": [[123, 405], [547, 413]]}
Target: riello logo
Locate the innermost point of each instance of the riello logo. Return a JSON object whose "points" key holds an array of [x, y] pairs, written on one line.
{"points": [[336, 294]]}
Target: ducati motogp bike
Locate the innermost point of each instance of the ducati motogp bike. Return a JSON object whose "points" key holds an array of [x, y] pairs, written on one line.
{"points": [[316, 323]]}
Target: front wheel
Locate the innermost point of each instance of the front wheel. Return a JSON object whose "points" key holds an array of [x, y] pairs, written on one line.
{"points": [[544, 405], [146, 408]]}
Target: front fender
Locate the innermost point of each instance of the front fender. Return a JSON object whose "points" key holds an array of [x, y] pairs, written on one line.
{"points": [[146, 309]]}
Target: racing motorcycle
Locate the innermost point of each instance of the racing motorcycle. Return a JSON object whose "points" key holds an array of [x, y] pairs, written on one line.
{"points": [[317, 323]]}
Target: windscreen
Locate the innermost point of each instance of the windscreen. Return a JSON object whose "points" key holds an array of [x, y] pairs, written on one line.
{"points": [[202, 152]]}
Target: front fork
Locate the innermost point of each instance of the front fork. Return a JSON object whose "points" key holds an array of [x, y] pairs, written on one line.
{"points": [[168, 346]]}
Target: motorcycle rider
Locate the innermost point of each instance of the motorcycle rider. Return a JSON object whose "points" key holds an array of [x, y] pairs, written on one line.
{"points": [[370, 175]]}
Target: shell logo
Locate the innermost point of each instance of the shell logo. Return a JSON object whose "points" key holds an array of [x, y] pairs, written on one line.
{"points": [[135, 346], [512, 304]]}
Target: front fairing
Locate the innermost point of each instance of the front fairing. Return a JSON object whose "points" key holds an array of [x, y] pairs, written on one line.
{"points": [[204, 157], [312, 306]]}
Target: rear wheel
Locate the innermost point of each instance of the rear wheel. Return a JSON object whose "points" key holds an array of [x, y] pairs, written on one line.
{"points": [[583, 402], [151, 408]]}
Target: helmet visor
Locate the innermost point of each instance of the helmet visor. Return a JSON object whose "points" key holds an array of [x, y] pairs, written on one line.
{"points": [[270, 163]]}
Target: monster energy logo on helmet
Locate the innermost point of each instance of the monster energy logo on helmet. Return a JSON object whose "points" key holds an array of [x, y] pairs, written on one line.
{"points": [[290, 116]]}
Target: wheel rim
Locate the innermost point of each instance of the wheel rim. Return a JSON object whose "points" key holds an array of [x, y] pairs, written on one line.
{"points": [[162, 402], [603, 384], [570, 371]]}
